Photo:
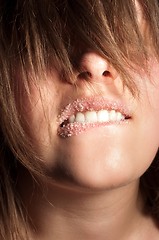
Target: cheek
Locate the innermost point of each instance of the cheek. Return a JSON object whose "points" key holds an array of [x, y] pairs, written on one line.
{"points": [[152, 86], [39, 115], [148, 85], [147, 120]]}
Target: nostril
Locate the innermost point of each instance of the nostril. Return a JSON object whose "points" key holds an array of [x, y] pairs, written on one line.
{"points": [[106, 73], [84, 75]]}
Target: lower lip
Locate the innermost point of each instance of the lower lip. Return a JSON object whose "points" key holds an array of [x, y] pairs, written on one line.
{"points": [[74, 129]]}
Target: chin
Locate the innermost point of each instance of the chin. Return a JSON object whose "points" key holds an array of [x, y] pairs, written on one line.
{"points": [[94, 183], [96, 171], [105, 158], [95, 174]]}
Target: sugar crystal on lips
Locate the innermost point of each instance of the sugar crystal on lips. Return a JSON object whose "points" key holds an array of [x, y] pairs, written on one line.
{"points": [[74, 129], [77, 128], [78, 105], [86, 113]]}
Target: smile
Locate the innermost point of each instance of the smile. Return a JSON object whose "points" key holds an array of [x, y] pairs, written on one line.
{"points": [[83, 114], [93, 116]]}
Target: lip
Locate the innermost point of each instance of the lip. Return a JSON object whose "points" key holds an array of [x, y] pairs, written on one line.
{"points": [[95, 103]]}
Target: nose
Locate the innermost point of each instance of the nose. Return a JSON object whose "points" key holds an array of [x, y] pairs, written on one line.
{"points": [[96, 68]]}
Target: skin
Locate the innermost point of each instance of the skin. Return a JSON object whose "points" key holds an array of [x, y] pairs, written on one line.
{"points": [[97, 190], [116, 161]]}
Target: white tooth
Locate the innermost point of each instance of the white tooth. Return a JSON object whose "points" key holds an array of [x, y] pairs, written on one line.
{"points": [[71, 119], [80, 118], [100, 116], [91, 117], [112, 115], [103, 116], [119, 116]]}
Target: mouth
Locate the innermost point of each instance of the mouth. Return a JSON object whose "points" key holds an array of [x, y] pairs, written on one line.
{"points": [[86, 113]]}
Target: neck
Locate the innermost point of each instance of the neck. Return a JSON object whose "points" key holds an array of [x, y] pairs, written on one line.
{"points": [[102, 215], [65, 214]]}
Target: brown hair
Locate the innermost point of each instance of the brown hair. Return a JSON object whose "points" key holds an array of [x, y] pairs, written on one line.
{"points": [[34, 35]]}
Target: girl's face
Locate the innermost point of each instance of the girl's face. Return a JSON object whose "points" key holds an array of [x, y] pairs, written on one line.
{"points": [[113, 137], [121, 142]]}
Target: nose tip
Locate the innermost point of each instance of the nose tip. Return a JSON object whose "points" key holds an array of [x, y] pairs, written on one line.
{"points": [[96, 67]]}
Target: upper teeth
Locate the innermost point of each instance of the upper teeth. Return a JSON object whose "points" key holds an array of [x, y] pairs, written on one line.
{"points": [[100, 116]]}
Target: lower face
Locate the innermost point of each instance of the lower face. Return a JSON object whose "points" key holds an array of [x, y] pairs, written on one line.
{"points": [[103, 156]]}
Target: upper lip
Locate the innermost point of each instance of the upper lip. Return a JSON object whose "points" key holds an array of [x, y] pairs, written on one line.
{"points": [[95, 103]]}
